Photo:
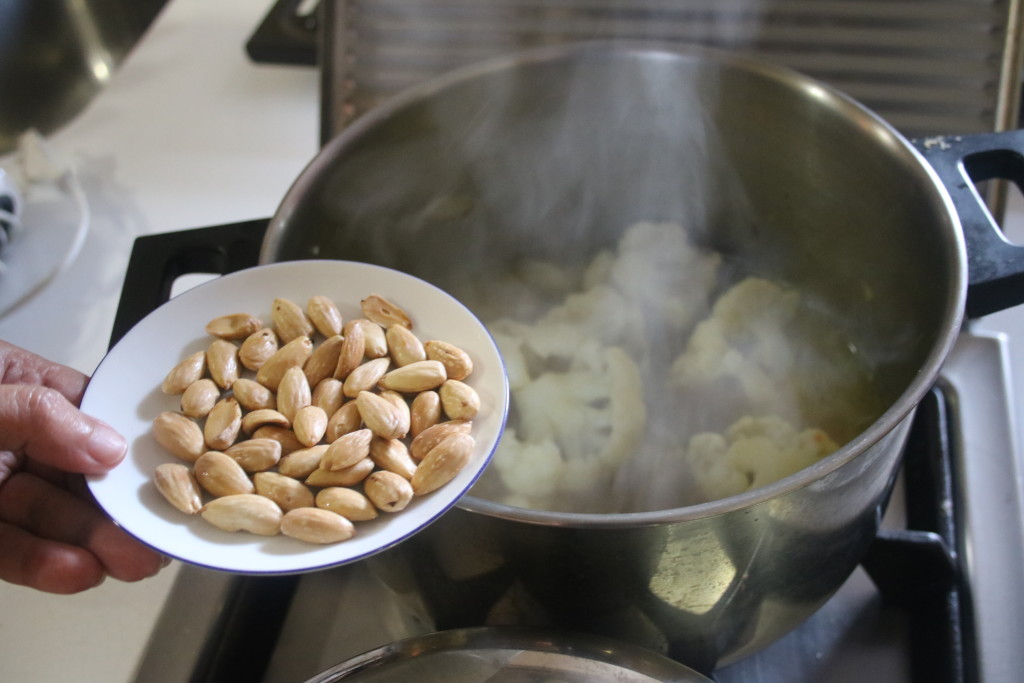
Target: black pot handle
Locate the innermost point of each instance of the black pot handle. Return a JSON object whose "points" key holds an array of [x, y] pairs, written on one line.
{"points": [[995, 265], [158, 260]]}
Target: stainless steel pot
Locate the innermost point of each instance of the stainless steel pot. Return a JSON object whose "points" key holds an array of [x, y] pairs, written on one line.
{"points": [[554, 152], [479, 655]]}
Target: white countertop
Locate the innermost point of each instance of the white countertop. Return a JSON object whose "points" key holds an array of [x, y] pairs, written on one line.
{"points": [[188, 133]]}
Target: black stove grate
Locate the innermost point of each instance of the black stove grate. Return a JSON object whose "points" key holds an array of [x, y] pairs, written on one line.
{"points": [[917, 570]]}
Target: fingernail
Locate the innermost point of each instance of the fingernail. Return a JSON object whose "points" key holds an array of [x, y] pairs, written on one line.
{"points": [[106, 446]]}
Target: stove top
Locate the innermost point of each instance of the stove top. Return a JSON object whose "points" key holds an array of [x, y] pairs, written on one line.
{"points": [[936, 599]]}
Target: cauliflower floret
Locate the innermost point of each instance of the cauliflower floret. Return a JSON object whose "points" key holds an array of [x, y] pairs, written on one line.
{"points": [[649, 291], [530, 470], [570, 431], [663, 275], [511, 347], [753, 452], [744, 341], [578, 401], [708, 456], [599, 313], [594, 410]]}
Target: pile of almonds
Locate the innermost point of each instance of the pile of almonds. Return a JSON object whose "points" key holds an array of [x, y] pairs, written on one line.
{"points": [[310, 424]]}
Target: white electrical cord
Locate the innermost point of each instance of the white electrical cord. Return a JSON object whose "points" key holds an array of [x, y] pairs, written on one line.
{"points": [[35, 165]]}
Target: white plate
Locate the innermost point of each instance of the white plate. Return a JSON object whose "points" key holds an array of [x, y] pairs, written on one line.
{"points": [[125, 392]]}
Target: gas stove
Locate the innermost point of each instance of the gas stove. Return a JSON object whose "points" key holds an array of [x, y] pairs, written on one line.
{"points": [[936, 599]]}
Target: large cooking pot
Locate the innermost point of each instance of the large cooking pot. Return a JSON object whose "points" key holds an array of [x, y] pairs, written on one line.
{"points": [[553, 153]]}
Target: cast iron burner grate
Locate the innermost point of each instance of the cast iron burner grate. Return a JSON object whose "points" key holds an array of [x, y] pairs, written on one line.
{"points": [[917, 570]]}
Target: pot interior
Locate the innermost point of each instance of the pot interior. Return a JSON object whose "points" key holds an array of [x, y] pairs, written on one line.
{"points": [[526, 170]]}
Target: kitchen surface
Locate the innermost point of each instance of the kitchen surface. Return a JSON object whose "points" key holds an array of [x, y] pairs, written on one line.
{"points": [[189, 132]]}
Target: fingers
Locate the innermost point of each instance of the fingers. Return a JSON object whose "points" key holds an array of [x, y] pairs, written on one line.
{"points": [[46, 565], [62, 531], [43, 424], [18, 366]]}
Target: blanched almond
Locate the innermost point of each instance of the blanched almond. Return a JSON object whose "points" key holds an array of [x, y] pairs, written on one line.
{"points": [[459, 400], [176, 484], [288, 493], [442, 463], [423, 442], [233, 326], [346, 502], [366, 376], [257, 348], [404, 346], [179, 435], [223, 424], [349, 476], [252, 395], [328, 395], [324, 315], [244, 512], [353, 348], [293, 354], [187, 371], [200, 397], [222, 362], [375, 344], [347, 450], [415, 377], [255, 419], [309, 425], [255, 455], [324, 360], [388, 491], [401, 406], [293, 393], [290, 321], [344, 420], [457, 363], [285, 437], [314, 525], [380, 416], [221, 475], [425, 411], [302, 462], [392, 455], [384, 312]]}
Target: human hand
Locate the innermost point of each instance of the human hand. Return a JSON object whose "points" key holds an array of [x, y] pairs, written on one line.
{"points": [[52, 536]]}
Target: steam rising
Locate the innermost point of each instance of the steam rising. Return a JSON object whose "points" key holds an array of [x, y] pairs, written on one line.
{"points": [[592, 211]]}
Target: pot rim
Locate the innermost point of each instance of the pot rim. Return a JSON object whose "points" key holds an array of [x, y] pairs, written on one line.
{"points": [[884, 133]]}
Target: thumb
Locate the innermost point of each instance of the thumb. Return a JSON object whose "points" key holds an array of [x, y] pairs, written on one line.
{"points": [[41, 424]]}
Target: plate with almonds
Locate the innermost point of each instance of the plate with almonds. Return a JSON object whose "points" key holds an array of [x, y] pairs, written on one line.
{"points": [[297, 416]]}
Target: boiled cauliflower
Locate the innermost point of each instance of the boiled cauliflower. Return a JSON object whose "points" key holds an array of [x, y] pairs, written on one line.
{"points": [[652, 288], [599, 348], [572, 429], [662, 273], [753, 452], [531, 472], [747, 342], [600, 314]]}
